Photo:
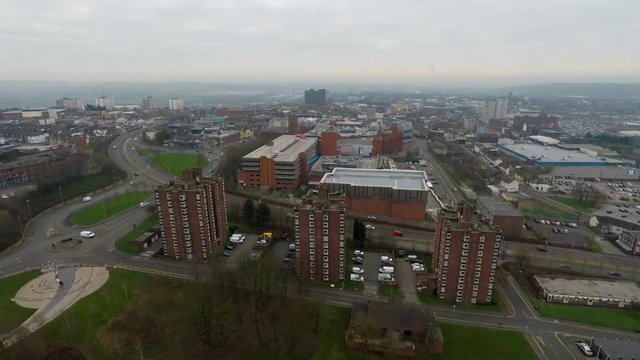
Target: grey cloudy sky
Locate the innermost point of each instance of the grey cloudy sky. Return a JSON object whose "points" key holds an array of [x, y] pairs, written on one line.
{"points": [[299, 40]]}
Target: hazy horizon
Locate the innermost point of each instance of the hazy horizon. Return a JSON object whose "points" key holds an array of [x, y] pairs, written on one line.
{"points": [[281, 41]]}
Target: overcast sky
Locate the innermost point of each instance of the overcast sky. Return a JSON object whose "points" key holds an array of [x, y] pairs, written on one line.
{"points": [[310, 40]]}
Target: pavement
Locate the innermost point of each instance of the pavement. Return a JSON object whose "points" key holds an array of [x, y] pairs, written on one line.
{"points": [[33, 251], [45, 294]]}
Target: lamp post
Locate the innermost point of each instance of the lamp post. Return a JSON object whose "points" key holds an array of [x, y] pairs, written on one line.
{"points": [[29, 210], [519, 276], [60, 192]]}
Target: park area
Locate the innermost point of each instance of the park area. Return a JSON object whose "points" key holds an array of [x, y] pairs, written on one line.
{"points": [[175, 163], [463, 342], [107, 208]]}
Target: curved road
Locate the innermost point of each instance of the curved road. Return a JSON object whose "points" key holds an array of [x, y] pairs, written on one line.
{"points": [[542, 333]]}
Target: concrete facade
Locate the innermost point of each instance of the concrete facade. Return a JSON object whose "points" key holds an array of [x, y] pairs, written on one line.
{"points": [[465, 256], [193, 216]]}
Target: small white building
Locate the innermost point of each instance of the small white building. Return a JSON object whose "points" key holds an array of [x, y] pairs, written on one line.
{"points": [[511, 186], [540, 187]]}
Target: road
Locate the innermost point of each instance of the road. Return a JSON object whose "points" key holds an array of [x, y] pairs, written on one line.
{"points": [[34, 251]]}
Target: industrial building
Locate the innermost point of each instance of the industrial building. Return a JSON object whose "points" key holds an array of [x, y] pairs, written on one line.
{"points": [[320, 238], [501, 214], [551, 156], [281, 164], [395, 193], [465, 256], [591, 173], [614, 349], [193, 216], [596, 292], [326, 164]]}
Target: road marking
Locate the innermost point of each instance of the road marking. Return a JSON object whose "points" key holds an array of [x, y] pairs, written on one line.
{"points": [[563, 345], [541, 341], [515, 287]]}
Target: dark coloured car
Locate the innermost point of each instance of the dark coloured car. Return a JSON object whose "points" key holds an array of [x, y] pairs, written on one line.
{"points": [[357, 260], [400, 253], [229, 246], [614, 273]]}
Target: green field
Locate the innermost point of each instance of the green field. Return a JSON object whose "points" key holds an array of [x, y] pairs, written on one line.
{"points": [[174, 163], [125, 243], [391, 291], [142, 151], [11, 314], [354, 285], [463, 342], [581, 206], [333, 324], [623, 319], [532, 208], [108, 208]]}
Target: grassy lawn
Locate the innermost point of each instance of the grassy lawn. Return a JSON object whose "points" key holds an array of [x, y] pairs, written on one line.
{"points": [[469, 342], [333, 324], [11, 314], [354, 285], [125, 243], [174, 163], [386, 290], [82, 323], [623, 319], [108, 208], [533, 209], [582, 206], [497, 305], [142, 151]]}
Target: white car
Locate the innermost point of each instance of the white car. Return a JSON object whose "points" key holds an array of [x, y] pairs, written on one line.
{"points": [[87, 198], [371, 217], [584, 348], [386, 258], [143, 204], [358, 253], [370, 227], [417, 267], [357, 270], [356, 277], [87, 234]]}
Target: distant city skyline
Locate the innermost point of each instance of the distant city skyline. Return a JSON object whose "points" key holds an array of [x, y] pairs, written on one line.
{"points": [[285, 40]]}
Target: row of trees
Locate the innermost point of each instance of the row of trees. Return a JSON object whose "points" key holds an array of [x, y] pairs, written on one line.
{"points": [[260, 215]]}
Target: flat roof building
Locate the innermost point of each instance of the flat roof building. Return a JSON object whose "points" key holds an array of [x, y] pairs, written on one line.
{"points": [[501, 214], [395, 193], [583, 291], [281, 164], [550, 155], [615, 349]]}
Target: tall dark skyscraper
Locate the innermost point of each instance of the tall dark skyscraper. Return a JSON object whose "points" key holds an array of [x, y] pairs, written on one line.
{"points": [[315, 97]]}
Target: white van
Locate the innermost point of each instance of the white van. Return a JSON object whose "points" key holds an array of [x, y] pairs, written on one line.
{"points": [[386, 270], [356, 277], [386, 258], [237, 238]]}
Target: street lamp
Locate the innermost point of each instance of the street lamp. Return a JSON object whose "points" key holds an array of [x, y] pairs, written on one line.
{"points": [[60, 192], [29, 209], [519, 276]]}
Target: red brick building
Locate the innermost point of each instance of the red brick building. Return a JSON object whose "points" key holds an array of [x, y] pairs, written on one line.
{"points": [[193, 216], [465, 256], [329, 143], [541, 121], [320, 238], [395, 193], [501, 214], [281, 164], [388, 141]]}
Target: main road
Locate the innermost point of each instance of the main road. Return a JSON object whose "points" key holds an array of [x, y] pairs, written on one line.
{"points": [[34, 250]]}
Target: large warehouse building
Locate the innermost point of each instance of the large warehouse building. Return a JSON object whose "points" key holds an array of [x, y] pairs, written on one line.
{"points": [[551, 155], [280, 164], [396, 193], [595, 292]]}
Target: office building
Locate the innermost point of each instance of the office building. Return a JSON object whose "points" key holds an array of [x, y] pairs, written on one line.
{"points": [[494, 109], [106, 102], [501, 214], [176, 104], [193, 216], [395, 193], [281, 164], [152, 103], [465, 256], [315, 97], [320, 238], [68, 103]]}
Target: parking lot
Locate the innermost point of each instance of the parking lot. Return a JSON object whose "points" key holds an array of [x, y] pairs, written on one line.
{"points": [[568, 237], [241, 251]]}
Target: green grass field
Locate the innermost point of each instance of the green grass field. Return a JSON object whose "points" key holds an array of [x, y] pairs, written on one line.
{"points": [[463, 342], [354, 285], [142, 151], [533, 209], [574, 203], [108, 208], [81, 324], [332, 326], [12, 314], [623, 319], [386, 290], [174, 163], [125, 243]]}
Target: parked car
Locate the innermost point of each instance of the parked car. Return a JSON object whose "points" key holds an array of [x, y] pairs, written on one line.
{"points": [[387, 269], [565, 266], [87, 234], [292, 247], [87, 198], [357, 260], [143, 204], [584, 348], [358, 253], [417, 267], [371, 217], [370, 227], [356, 277], [386, 277], [230, 246], [386, 258], [397, 233], [357, 270], [226, 253], [614, 273], [400, 253]]}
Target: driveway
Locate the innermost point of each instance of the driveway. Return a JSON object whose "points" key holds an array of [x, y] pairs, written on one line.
{"points": [[406, 280], [242, 250], [371, 266]]}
